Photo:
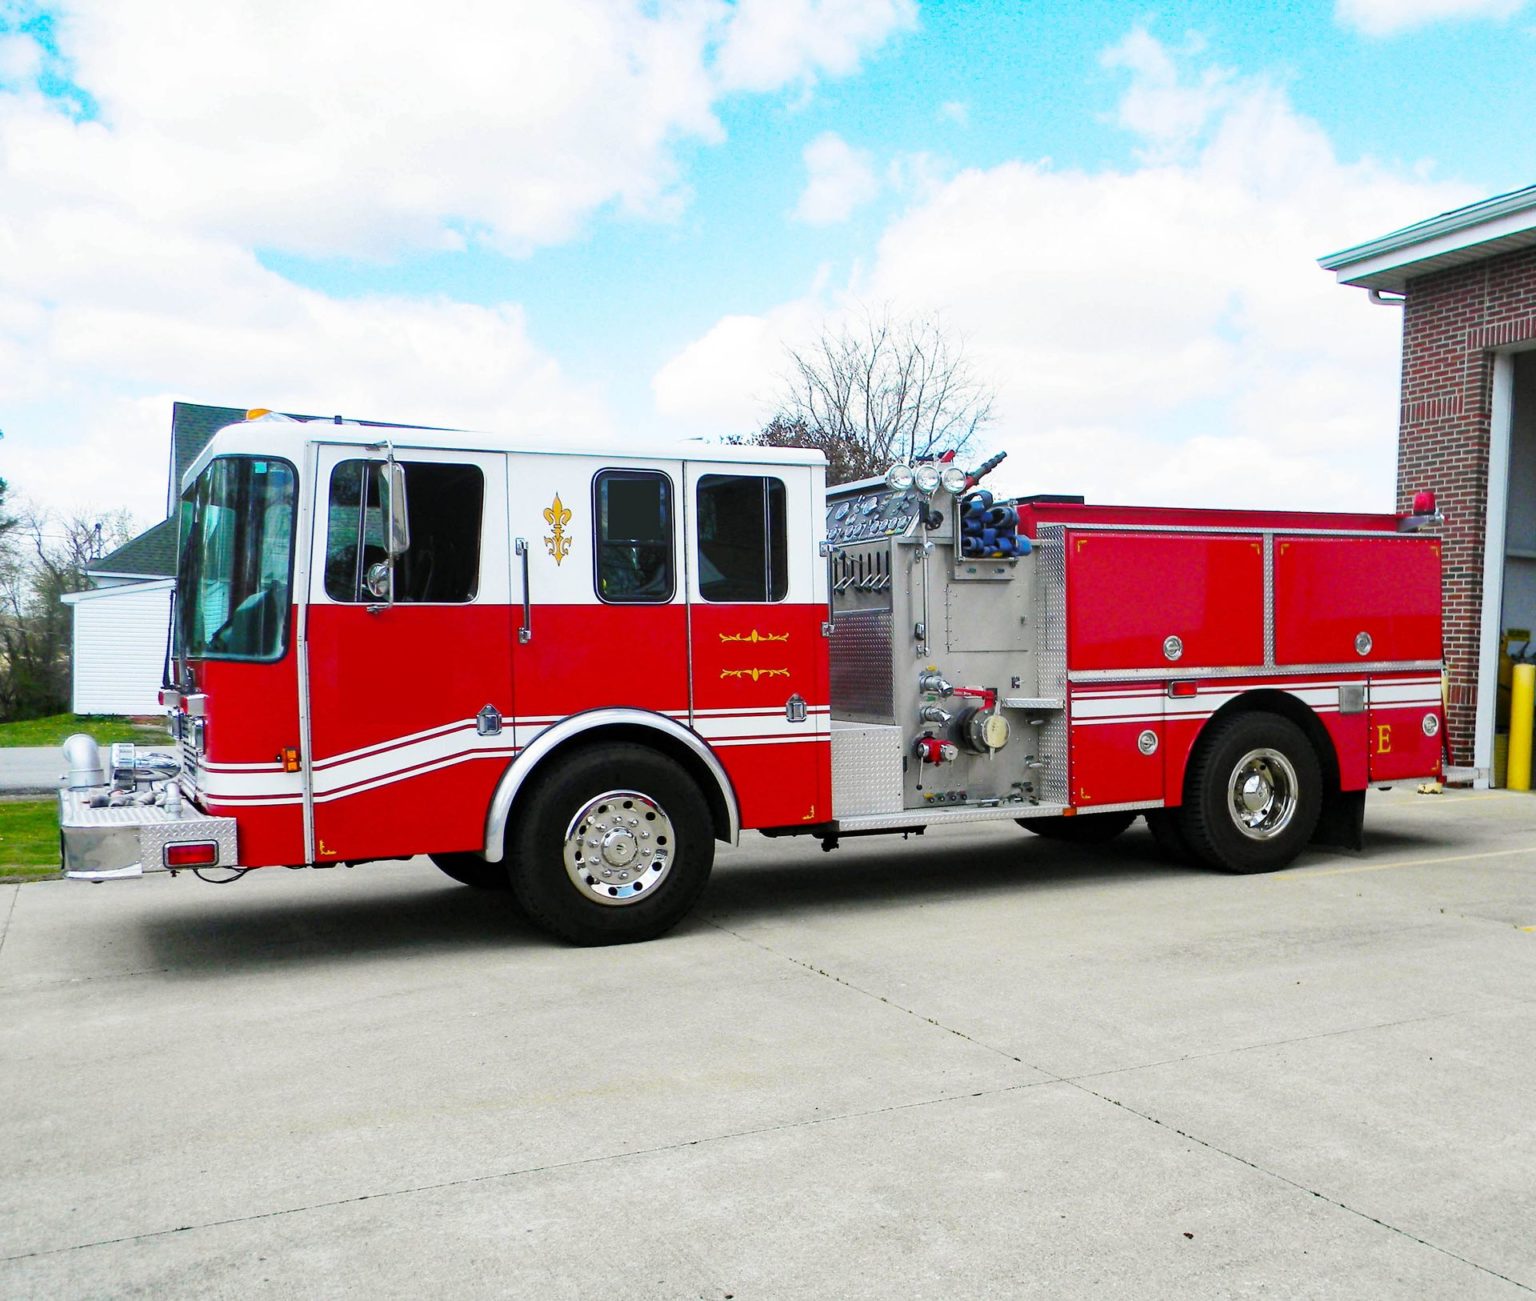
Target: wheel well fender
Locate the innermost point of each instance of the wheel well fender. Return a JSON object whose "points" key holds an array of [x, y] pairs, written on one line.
{"points": [[599, 726], [1267, 701]]}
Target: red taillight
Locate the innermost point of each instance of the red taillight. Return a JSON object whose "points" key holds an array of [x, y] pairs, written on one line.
{"points": [[1180, 689], [201, 853]]}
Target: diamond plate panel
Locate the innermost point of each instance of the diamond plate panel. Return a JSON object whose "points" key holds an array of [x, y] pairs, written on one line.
{"points": [[115, 837], [1051, 601], [866, 769], [861, 664]]}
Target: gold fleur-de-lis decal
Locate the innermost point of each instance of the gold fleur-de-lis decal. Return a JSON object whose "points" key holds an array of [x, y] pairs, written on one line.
{"points": [[754, 635], [557, 517]]}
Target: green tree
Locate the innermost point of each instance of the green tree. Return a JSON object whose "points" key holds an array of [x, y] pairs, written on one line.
{"points": [[44, 556]]}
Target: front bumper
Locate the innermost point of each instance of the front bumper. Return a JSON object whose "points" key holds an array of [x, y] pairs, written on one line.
{"points": [[111, 844]]}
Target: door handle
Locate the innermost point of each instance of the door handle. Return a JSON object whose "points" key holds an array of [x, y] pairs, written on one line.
{"points": [[828, 550], [525, 633]]}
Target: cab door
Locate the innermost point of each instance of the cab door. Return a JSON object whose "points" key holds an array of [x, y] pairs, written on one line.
{"points": [[757, 602], [410, 690], [598, 559]]}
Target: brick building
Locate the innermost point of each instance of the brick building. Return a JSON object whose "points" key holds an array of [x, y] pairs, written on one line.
{"points": [[1465, 282]]}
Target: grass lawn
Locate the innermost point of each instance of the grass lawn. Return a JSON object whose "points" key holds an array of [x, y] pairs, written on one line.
{"points": [[54, 729], [29, 839]]}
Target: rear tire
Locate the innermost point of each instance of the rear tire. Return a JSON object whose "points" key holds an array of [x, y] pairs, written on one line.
{"points": [[1253, 794], [1082, 829], [1168, 834], [611, 845], [473, 870]]}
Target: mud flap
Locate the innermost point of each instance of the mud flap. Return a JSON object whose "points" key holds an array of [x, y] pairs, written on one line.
{"points": [[1342, 822]]}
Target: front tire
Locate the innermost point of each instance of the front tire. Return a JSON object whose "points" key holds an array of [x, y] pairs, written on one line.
{"points": [[1253, 794], [611, 845]]}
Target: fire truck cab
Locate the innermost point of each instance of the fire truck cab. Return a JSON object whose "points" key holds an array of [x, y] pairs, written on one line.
{"points": [[569, 672]]}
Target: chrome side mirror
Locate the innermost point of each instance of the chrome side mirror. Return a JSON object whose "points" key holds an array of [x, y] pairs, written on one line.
{"points": [[398, 537], [376, 580]]}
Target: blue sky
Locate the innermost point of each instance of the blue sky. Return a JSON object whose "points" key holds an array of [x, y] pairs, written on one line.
{"points": [[609, 218]]}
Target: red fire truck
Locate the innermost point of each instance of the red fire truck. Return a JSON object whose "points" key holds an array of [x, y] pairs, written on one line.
{"points": [[570, 672]]}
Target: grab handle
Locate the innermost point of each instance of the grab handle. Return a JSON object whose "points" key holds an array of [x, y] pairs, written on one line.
{"points": [[525, 633]]}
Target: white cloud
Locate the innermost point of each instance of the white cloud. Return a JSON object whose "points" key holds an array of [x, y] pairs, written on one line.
{"points": [[956, 111], [772, 43], [21, 60], [724, 382], [839, 179], [1389, 17], [128, 272], [1160, 105], [334, 127], [1157, 334]]}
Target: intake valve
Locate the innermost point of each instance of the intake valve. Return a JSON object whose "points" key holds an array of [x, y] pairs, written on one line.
{"points": [[934, 683], [930, 749]]}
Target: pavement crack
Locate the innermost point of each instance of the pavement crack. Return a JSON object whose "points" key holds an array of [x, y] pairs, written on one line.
{"points": [[1298, 1185], [1075, 1082], [551, 1167], [1260, 1045], [879, 998], [6, 928]]}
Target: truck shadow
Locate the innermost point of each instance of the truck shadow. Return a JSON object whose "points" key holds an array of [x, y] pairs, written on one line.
{"points": [[413, 912], [803, 879], [416, 913]]}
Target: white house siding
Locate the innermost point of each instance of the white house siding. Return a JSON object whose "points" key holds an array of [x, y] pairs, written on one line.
{"points": [[120, 647]]}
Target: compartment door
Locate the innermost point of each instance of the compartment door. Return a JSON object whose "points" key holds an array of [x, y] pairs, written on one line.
{"points": [[1403, 743], [1116, 744], [1128, 594], [1330, 591]]}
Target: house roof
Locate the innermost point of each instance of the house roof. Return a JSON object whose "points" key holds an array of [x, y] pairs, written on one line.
{"points": [[1480, 230], [150, 555], [192, 426], [153, 553]]}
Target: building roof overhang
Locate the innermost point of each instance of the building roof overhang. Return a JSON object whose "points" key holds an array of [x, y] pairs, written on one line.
{"points": [[1502, 224]]}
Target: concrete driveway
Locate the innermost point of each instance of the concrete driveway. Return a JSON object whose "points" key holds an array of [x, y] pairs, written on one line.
{"points": [[976, 1064]]}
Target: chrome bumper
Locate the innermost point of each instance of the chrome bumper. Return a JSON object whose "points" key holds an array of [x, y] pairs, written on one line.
{"points": [[114, 844]]}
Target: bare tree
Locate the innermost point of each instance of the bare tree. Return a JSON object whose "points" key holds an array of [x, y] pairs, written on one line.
{"points": [[42, 557], [879, 390]]}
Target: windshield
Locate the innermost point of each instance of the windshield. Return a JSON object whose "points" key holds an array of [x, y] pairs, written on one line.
{"points": [[233, 578]]}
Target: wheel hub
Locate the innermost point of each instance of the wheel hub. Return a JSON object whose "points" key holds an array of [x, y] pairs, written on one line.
{"points": [[1262, 794], [619, 847], [1256, 792]]}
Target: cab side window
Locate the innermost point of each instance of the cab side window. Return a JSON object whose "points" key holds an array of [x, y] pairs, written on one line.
{"points": [[743, 543], [444, 507], [632, 517]]}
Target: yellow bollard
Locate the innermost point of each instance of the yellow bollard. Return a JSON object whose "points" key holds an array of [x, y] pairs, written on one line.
{"points": [[1522, 698]]}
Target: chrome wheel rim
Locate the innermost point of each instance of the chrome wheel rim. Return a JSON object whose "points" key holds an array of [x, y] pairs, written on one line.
{"points": [[619, 848], [1262, 794]]}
